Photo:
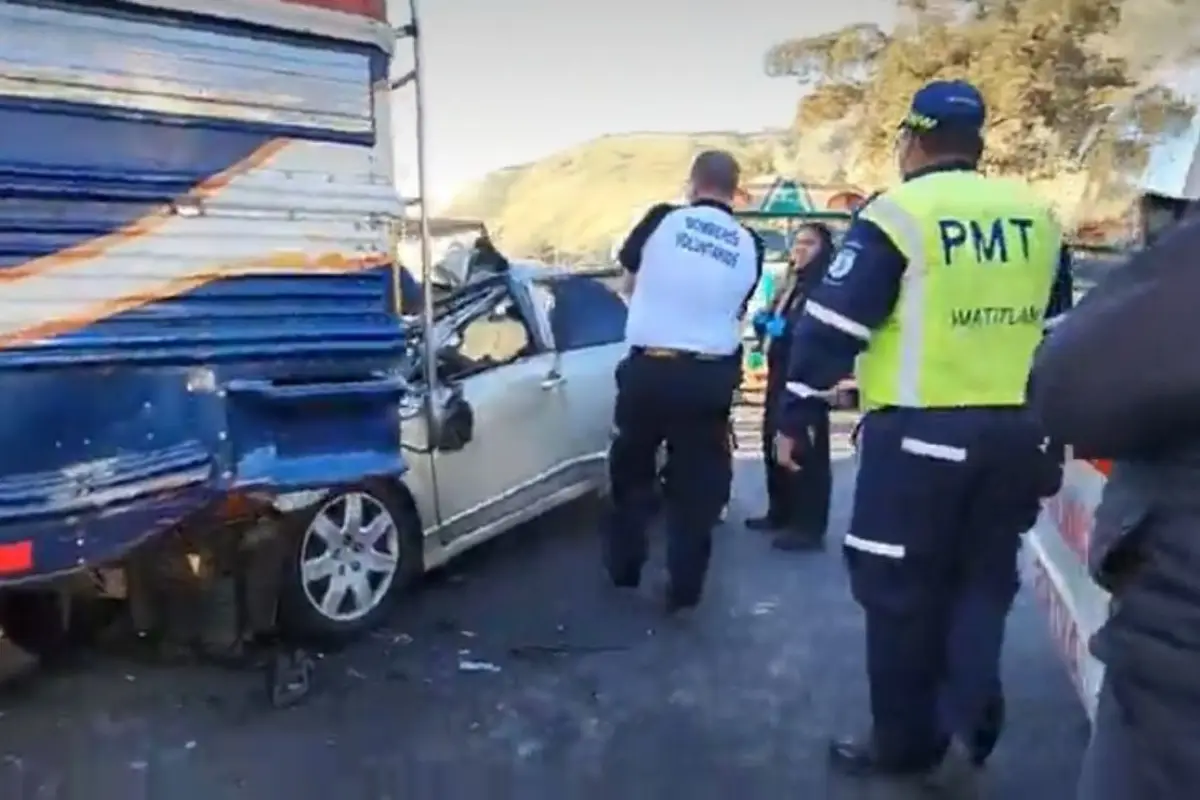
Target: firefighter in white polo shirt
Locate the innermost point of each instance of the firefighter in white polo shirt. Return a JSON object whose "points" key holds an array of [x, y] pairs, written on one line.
{"points": [[691, 271]]}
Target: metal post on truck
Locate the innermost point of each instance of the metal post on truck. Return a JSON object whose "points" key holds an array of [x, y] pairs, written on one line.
{"points": [[416, 77]]}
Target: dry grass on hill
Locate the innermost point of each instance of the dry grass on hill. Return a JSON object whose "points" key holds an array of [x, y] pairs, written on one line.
{"points": [[578, 201]]}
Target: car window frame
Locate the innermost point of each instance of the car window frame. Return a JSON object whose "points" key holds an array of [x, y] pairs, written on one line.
{"points": [[548, 284], [542, 299], [533, 343]]}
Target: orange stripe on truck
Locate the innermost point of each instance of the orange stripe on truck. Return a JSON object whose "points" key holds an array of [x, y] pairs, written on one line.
{"points": [[330, 263], [94, 248]]}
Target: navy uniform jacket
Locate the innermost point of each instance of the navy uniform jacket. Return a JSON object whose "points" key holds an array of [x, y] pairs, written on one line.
{"points": [[841, 313]]}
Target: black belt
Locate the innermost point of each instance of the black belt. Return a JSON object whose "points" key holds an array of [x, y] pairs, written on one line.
{"points": [[671, 352]]}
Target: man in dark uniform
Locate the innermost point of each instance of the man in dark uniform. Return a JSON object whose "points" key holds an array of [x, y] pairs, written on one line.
{"points": [[690, 272], [941, 291], [1114, 381]]}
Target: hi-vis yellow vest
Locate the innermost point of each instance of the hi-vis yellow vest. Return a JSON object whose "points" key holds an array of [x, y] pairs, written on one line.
{"points": [[982, 255]]}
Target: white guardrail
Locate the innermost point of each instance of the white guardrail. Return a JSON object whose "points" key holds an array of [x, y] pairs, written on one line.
{"points": [[1056, 565]]}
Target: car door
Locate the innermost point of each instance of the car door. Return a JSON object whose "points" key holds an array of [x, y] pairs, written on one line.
{"points": [[588, 324], [510, 381]]}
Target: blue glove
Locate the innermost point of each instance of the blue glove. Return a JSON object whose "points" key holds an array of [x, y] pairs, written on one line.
{"points": [[759, 321], [775, 326]]}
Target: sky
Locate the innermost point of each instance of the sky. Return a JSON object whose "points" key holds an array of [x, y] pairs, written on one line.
{"points": [[510, 81]]}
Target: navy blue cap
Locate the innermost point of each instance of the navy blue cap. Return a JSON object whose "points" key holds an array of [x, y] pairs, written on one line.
{"points": [[945, 104]]}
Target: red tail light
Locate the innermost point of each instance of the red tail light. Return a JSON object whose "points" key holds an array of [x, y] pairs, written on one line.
{"points": [[16, 557]]}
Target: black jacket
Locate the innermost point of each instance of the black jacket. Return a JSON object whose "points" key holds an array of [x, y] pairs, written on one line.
{"points": [[780, 347], [1114, 378], [1117, 379]]}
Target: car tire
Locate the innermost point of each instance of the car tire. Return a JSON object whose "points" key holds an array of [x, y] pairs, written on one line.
{"points": [[331, 552]]}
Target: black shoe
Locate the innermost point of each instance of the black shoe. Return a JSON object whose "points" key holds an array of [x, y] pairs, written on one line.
{"points": [[860, 758], [957, 775], [764, 523], [625, 583], [952, 777], [674, 602], [798, 541], [624, 578], [985, 738], [674, 606]]}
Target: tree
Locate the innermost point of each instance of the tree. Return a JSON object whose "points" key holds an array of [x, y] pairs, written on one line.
{"points": [[1046, 68], [759, 159]]}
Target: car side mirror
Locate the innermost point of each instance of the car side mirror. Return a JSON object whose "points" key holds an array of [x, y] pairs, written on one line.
{"points": [[454, 424]]}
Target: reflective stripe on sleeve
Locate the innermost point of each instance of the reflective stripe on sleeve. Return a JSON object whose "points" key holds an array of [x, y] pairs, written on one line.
{"points": [[840, 322], [803, 389], [905, 232]]}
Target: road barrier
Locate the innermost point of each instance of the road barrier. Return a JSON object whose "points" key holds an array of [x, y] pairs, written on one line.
{"points": [[1056, 564]]}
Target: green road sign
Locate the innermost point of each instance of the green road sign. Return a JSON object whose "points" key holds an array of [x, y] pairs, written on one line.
{"points": [[786, 197]]}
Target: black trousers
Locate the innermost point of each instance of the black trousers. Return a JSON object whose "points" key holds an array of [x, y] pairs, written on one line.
{"points": [[685, 403], [798, 501]]}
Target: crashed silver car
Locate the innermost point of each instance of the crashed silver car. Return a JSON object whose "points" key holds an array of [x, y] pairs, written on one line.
{"points": [[509, 416]]}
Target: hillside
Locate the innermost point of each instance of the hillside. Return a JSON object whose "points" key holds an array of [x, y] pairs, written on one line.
{"points": [[572, 205], [575, 202]]}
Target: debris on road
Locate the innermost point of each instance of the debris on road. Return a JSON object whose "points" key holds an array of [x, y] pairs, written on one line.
{"points": [[393, 637], [564, 649], [289, 678]]}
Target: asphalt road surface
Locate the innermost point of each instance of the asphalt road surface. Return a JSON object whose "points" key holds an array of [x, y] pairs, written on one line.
{"points": [[518, 674]]}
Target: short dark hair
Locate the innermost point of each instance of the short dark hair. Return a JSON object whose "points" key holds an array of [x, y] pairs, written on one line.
{"points": [[952, 142], [716, 170]]}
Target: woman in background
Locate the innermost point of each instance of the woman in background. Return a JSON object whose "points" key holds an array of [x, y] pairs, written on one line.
{"points": [[798, 502]]}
